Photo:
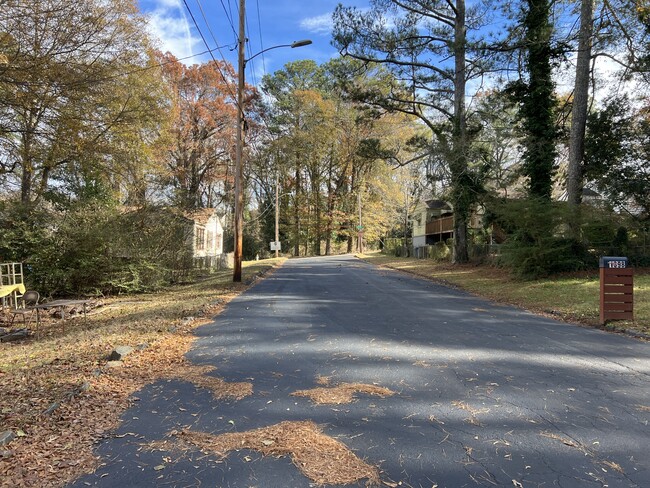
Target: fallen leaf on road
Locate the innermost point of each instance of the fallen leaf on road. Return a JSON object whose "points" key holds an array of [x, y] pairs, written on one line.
{"points": [[321, 458], [343, 393]]}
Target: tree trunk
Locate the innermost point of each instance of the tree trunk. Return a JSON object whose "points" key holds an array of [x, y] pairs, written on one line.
{"points": [[330, 209], [27, 171], [329, 221], [296, 216], [461, 198], [539, 102], [580, 103], [317, 233]]}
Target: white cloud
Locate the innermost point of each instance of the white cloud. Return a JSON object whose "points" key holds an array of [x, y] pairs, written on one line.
{"points": [[320, 24], [168, 24]]}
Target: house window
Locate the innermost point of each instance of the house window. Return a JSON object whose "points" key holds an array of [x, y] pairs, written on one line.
{"points": [[210, 243], [200, 239]]}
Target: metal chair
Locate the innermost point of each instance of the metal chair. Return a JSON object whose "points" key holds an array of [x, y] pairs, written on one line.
{"points": [[29, 298]]}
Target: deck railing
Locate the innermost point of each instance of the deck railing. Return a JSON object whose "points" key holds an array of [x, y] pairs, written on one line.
{"points": [[440, 226]]}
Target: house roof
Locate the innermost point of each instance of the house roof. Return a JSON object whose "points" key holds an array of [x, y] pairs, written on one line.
{"points": [[437, 205], [200, 215], [587, 192]]}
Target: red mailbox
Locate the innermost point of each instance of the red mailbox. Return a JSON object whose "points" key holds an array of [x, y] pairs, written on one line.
{"points": [[616, 289]]}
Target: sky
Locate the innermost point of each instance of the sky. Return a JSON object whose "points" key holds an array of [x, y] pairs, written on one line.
{"points": [[269, 23]]}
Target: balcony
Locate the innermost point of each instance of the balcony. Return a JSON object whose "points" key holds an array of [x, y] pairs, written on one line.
{"points": [[440, 226]]}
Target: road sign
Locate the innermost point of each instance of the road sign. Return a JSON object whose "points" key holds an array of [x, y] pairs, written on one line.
{"points": [[275, 246]]}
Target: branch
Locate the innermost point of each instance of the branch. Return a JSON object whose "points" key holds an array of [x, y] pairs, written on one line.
{"points": [[397, 62], [402, 164], [617, 61], [431, 14]]}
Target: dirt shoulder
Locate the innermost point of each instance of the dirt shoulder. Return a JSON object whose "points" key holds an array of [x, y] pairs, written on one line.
{"points": [[571, 297], [60, 394]]}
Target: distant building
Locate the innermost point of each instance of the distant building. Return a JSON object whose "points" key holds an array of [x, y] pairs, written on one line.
{"points": [[190, 239], [589, 197], [206, 238], [433, 221]]}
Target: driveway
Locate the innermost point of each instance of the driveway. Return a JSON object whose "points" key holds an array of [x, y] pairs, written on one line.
{"points": [[485, 395]]}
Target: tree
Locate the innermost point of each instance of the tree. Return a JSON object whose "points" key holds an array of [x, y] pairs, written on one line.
{"points": [[292, 118], [580, 104], [327, 151], [537, 100], [202, 132], [617, 155], [70, 90], [432, 50], [497, 142]]}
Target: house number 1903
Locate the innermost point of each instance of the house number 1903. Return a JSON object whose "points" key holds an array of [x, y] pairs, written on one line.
{"points": [[616, 264]]}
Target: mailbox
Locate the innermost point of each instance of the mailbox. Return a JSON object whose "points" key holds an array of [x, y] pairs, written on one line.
{"points": [[616, 289]]}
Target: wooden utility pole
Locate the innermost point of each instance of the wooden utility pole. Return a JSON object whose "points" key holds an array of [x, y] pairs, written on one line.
{"points": [[239, 163], [277, 215]]}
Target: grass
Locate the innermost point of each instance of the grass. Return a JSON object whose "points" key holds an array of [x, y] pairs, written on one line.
{"points": [[574, 297], [69, 370]]}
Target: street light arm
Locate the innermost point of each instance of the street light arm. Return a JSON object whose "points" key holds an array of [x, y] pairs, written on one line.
{"points": [[304, 42]]}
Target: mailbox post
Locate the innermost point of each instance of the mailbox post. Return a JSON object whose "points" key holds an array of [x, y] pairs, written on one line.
{"points": [[616, 289]]}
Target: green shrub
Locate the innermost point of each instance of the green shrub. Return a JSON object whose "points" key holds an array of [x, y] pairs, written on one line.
{"points": [[441, 251], [541, 239], [96, 248]]}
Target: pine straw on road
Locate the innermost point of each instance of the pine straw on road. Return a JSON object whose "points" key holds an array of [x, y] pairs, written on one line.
{"points": [[321, 458], [66, 375], [342, 393]]}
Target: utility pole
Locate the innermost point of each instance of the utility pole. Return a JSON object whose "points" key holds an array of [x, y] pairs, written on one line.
{"points": [[239, 163], [277, 215]]}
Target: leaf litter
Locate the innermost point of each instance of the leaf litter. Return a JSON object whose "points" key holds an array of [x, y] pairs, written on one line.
{"points": [[321, 458], [342, 393], [65, 375]]}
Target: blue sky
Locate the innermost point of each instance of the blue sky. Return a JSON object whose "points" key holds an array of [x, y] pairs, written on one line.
{"points": [[279, 22]]}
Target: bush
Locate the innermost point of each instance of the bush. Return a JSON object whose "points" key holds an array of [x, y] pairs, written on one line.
{"points": [[541, 238], [97, 248]]}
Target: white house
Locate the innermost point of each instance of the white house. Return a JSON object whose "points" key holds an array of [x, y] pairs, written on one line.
{"points": [[206, 237]]}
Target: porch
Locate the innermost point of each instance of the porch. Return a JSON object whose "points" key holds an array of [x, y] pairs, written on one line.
{"points": [[442, 225]]}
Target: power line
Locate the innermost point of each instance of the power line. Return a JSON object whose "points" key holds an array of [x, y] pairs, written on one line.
{"points": [[234, 97], [205, 19], [250, 54], [259, 25], [229, 17]]}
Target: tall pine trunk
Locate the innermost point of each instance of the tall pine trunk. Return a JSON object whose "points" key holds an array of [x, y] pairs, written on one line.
{"points": [[580, 102], [461, 199]]}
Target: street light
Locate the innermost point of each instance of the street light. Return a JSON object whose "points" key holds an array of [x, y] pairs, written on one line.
{"points": [[301, 43], [239, 165]]}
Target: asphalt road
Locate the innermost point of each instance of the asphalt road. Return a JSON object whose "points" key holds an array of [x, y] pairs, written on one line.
{"points": [[487, 395]]}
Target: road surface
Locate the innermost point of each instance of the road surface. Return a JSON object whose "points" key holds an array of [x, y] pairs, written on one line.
{"points": [[486, 395]]}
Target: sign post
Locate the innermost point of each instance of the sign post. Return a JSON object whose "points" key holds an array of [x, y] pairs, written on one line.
{"points": [[616, 289]]}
